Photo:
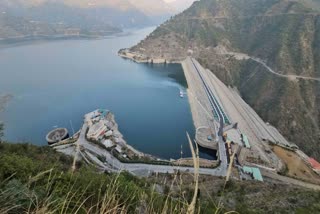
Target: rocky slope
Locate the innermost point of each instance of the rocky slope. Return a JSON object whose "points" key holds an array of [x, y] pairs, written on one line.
{"points": [[285, 34]]}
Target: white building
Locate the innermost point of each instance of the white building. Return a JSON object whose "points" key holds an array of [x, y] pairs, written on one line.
{"points": [[97, 130], [108, 133], [108, 143], [119, 149]]}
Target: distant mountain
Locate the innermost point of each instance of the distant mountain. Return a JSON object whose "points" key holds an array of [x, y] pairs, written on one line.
{"points": [[85, 17], [180, 5], [14, 29], [284, 34], [152, 7], [157, 10], [125, 13]]}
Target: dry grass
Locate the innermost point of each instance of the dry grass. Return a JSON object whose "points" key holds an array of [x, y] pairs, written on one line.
{"points": [[202, 162], [108, 197], [195, 156]]}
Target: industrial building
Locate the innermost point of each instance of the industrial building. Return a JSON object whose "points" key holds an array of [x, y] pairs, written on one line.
{"points": [[108, 143], [99, 127], [96, 130]]}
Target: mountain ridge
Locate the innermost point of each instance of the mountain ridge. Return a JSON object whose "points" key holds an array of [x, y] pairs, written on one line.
{"points": [[88, 17]]}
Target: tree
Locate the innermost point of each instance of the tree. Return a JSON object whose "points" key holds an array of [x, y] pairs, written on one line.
{"points": [[1, 131]]}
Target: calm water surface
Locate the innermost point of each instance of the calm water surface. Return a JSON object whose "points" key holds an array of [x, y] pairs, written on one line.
{"points": [[55, 82]]}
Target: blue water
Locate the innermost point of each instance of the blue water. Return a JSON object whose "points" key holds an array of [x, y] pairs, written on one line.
{"points": [[55, 82]]}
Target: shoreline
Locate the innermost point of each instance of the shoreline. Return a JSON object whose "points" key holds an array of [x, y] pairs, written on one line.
{"points": [[34, 39], [26, 40], [14, 42], [192, 100], [140, 58], [109, 129], [119, 134], [116, 155]]}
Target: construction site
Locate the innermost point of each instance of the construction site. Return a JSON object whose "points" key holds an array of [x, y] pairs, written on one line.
{"points": [[227, 124]]}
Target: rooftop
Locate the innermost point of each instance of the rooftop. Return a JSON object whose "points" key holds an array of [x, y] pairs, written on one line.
{"points": [[254, 171], [315, 164], [246, 141], [56, 135]]}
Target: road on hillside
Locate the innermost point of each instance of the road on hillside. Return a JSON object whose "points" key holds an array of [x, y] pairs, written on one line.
{"points": [[241, 56]]}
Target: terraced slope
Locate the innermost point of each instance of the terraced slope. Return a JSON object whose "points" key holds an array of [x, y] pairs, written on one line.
{"points": [[284, 34]]}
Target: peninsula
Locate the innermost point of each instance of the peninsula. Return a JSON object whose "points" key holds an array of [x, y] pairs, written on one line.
{"points": [[100, 143]]}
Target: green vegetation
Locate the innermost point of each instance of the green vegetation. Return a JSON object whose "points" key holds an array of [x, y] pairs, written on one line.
{"points": [[1, 131], [39, 180], [275, 199]]}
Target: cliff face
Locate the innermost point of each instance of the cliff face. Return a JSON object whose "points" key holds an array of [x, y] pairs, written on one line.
{"points": [[285, 34]]}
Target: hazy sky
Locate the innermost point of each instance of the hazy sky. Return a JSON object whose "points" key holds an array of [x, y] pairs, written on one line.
{"points": [[180, 5]]}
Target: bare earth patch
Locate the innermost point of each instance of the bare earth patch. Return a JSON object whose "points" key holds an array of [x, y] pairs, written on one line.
{"points": [[202, 162], [297, 168]]}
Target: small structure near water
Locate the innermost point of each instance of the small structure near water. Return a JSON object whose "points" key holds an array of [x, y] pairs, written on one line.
{"points": [[57, 135]]}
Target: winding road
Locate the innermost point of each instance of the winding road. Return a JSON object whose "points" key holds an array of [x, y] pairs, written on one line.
{"points": [[289, 76], [241, 56]]}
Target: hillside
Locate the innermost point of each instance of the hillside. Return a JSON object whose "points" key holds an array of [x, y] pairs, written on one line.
{"points": [[119, 13], [38, 180], [13, 28], [283, 34], [36, 18]]}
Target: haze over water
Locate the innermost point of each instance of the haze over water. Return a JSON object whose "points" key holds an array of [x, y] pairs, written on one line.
{"points": [[55, 82]]}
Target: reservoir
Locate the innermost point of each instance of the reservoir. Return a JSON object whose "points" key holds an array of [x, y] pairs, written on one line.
{"points": [[55, 83]]}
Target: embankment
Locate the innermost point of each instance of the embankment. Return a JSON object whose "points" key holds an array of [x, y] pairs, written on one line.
{"points": [[141, 58]]}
